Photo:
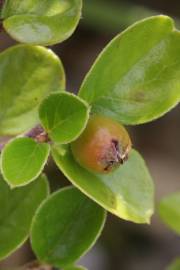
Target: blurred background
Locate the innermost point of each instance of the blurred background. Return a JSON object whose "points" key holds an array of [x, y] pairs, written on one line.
{"points": [[123, 245]]}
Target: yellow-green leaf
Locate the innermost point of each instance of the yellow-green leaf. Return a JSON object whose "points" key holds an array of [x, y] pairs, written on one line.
{"points": [[41, 22], [27, 75], [137, 76], [22, 160], [127, 192]]}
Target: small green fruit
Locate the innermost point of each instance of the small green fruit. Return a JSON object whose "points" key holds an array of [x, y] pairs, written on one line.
{"points": [[103, 146]]}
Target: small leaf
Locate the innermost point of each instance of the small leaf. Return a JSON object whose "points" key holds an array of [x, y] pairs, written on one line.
{"points": [[169, 211], [28, 75], [17, 210], [41, 22], [175, 265], [64, 116], [22, 161], [65, 227], [137, 76], [127, 192]]}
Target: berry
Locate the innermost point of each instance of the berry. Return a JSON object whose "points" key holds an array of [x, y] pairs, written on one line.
{"points": [[103, 146]]}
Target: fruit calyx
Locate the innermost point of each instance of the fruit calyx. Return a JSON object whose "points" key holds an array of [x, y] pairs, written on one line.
{"points": [[115, 156]]}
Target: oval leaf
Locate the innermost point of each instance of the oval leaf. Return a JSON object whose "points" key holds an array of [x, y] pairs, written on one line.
{"points": [[17, 210], [137, 77], [22, 161], [127, 192], [41, 22], [64, 116], [169, 211], [65, 227], [28, 75]]}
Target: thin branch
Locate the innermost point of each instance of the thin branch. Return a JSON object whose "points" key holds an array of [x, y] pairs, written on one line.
{"points": [[1, 146], [34, 266], [1, 20], [1, 4], [38, 134], [3, 142]]}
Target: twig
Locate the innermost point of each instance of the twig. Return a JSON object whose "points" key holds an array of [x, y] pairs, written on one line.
{"points": [[38, 134], [34, 266], [3, 142], [1, 146], [1, 4]]}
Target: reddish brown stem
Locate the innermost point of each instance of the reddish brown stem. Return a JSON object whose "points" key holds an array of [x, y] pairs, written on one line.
{"points": [[38, 134], [35, 266], [1, 4], [1, 20]]}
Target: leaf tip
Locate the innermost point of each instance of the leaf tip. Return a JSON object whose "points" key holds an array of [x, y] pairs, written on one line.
{"points": [[148, 218], [11, 186]]}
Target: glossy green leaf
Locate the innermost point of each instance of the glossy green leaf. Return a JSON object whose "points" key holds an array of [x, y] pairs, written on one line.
{"points": [[64, 116], [17, 210], [22, 161], [137, 77], [169, 211], [27, 75], [175, 265], [65, 227], [127, 192], [41, 22]]}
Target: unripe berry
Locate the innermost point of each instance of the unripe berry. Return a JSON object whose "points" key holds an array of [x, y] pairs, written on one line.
{"points": [[103, 146]]}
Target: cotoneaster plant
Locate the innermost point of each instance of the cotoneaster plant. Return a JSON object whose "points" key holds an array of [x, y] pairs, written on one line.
{"points": [[136, 79]]}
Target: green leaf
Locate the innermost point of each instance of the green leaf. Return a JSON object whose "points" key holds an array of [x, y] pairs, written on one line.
{"points": [[64, 116], [41, 22], [127, 192], [65, 226], [75, 268], [22, 161], [17, 210], [175, 265], [169, 211], [27, 75], [137, 76]]}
